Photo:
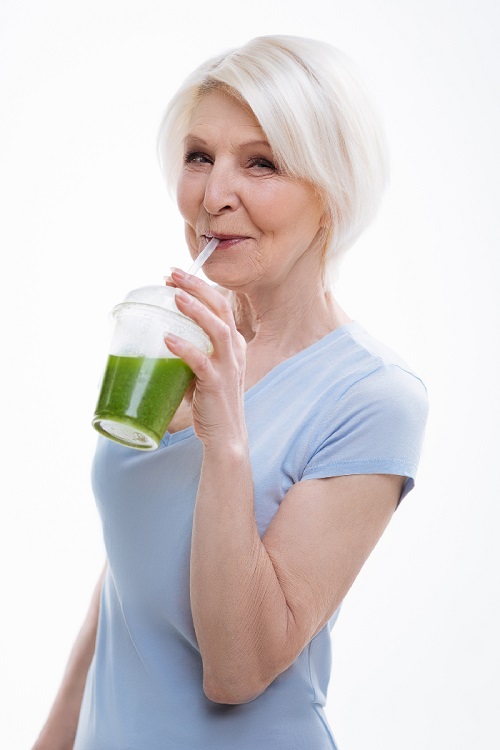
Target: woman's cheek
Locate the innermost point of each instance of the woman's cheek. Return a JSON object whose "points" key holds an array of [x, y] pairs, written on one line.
{"points": [[189, 196]]}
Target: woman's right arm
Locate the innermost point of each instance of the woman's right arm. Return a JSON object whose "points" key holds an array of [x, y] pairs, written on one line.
{"points": [[59, 730]]}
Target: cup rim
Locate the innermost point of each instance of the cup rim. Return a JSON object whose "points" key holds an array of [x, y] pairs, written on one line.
{"points": [[162, 312]]}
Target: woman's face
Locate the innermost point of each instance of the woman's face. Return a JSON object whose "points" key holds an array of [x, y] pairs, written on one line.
{"points": [[231, 188]]}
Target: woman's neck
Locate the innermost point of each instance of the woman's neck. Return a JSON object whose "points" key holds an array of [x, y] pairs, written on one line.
{"points": [[284, 320]]}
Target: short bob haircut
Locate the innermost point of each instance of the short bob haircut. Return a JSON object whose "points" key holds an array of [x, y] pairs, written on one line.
{"points": [[316, 115]]}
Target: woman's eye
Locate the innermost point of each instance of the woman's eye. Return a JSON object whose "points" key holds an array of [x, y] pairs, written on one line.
{"points": [[263, 164], [196, 157]]}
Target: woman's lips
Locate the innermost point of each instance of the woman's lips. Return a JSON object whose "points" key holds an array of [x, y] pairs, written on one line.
{"points": [[226, 241]]}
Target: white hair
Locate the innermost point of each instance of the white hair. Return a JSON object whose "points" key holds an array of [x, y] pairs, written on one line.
{"points": [[316, 115]]}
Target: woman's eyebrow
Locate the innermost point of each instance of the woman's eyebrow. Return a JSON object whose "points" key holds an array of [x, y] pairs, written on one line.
{"points": [[256, 143], [191, 138]]}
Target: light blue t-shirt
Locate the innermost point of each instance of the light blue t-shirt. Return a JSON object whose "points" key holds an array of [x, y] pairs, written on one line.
{"points": [[345, 405]]}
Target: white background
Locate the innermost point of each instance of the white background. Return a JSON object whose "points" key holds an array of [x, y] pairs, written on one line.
{"points": [[85, 218]]}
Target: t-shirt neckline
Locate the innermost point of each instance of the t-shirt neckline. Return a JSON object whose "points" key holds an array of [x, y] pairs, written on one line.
{"points": [[174, 437]]}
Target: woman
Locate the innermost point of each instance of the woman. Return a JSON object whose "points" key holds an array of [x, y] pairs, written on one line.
{"points": [[231, 547]]}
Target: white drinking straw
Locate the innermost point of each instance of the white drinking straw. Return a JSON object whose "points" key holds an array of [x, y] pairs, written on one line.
{"points": [[205, 253]]}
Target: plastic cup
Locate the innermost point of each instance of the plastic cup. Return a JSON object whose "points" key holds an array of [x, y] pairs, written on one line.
{"points": [[144, 383]]}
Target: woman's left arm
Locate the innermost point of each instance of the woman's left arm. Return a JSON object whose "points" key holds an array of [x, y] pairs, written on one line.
{"points": [[257, 603]]}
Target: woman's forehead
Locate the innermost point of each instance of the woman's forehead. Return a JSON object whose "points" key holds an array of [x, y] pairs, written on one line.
{"points": [[218, 109]]}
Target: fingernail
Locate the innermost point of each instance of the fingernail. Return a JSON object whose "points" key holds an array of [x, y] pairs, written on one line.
{"points": [[171, 340], [180, 294], [179, 272]]}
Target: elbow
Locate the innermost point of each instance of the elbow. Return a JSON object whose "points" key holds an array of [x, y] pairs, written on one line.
{"points": [[232, 691], [233, 679]]}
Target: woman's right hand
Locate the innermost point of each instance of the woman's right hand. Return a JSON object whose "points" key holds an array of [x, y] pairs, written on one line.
{"points": [[218, 396]]}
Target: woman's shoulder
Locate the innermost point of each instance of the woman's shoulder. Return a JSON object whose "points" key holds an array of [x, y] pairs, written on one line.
{"points": [[373, 347], [372, 418], [365, 356], [380, 379]]}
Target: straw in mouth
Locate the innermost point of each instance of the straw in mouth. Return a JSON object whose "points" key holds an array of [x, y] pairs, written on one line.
{"points": [[202, 257]]}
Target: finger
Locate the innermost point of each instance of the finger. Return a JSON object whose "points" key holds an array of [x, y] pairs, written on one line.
{"points": [[215, 327], [213, 299], [195, 359], [207, 294], [169, 282]]}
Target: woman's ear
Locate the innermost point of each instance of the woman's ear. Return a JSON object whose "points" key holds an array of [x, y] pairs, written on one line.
{"points": [[325, 221]]}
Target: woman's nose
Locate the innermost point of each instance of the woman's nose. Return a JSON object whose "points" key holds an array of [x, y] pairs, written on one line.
{"points": [[221, 190]]}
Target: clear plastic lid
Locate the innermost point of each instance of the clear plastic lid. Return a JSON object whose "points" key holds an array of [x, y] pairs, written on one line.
{"points": [[159, 296], [144, 318]]}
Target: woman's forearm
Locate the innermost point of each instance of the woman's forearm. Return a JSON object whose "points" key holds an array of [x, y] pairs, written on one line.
{"points": [[239, 609], [59, 730], [243, 624]]}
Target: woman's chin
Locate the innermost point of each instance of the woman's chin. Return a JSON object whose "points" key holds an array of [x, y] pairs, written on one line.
{"points": [[228, 275]]}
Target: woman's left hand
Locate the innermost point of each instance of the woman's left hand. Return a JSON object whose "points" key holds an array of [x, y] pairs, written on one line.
{"points": [[218, 396]]}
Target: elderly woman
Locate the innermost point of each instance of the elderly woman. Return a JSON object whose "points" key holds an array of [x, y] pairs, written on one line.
{"points": [[232, 546]]}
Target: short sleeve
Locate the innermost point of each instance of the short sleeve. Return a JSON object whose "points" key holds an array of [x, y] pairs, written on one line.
{"points": [[376, 427]]}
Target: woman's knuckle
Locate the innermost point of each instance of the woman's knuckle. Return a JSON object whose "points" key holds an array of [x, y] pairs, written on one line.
{"points": [[197, 282], [225, 333], [225, 306], [204, 366]]}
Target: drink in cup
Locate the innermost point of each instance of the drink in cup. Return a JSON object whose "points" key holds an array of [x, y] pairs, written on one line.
{"points": [[144, 383]]}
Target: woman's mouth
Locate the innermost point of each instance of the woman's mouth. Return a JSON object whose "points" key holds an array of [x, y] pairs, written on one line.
{"points": [[226, 241]]}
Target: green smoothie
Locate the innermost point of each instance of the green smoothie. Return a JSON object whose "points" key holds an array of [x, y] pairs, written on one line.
{"points": [[142, 394]]}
